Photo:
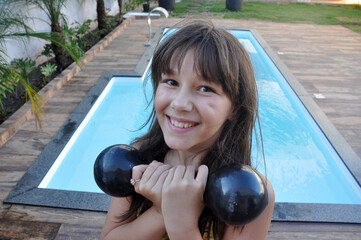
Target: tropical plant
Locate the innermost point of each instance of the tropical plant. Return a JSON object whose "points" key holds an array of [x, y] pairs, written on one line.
{"points": [[101, 15], [52, 9], [13, 26], [10, 79], [132, 4], [77, 35], [10, 22], [47, 51], [25, 67], [120, 5], [112, 22], [47, 70]]}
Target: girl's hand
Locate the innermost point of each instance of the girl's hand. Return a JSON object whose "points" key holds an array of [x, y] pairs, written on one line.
{"points": [[151, 177], [182, 199]]}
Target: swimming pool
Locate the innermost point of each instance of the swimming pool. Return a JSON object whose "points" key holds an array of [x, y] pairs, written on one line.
{"points": [[284, 125]]}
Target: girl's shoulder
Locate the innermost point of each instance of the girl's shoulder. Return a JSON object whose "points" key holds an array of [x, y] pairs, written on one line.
{"points": [[258, 228]]}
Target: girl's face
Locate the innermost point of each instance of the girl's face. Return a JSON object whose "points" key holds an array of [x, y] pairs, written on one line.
{"points": [[191, 111]]}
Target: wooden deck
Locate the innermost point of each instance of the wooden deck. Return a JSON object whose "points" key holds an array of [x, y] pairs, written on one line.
{"points": [[324, 59]]}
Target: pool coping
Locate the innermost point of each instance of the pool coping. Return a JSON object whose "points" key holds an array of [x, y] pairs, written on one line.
{"points": [[26, 191]]}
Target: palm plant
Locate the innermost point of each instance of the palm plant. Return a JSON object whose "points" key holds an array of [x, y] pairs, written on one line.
{"points": [[52, 9], [120, 4], [101, 15], [10, 22], [12, 26]]}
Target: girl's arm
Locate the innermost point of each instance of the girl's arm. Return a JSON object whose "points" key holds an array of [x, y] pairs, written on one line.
{"points": [[149, 225], [258, 228]]}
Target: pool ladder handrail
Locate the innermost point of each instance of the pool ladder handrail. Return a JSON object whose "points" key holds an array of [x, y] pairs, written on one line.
{"points": [[157, 9]]}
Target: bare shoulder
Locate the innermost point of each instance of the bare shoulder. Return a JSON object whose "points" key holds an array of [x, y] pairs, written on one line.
{"points": [[271, 193], [258, 228]]}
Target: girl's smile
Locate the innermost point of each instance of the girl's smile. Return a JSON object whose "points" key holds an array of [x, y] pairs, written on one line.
{"points": [[190, 110], [181, 125]]}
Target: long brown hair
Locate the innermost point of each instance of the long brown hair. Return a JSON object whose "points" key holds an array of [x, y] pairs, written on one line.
{"points": [[219, 58]]}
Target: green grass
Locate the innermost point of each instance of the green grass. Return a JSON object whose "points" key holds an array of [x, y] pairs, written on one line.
{"points": [[346, 15]]}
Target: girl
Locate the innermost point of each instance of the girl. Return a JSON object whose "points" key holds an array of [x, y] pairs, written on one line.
{"points": [[205, 108]]}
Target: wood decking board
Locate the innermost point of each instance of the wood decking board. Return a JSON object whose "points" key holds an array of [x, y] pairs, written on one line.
{"points": [[314, 231], [27, 230], [324, 59], [78, 232], [58, 215]]}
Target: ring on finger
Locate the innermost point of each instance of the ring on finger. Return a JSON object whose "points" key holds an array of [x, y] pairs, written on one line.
{"points": [[134, 181]]}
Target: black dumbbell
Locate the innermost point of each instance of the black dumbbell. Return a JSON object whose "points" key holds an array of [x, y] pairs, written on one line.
{"points": [[236, 194]]}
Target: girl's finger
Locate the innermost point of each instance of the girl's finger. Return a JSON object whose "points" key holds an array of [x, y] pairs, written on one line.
{"points": [[190, 172], [151, 168], [161, 180], [202, 175], [179, 172], [169, 177], [157, 173], [137, 171]]}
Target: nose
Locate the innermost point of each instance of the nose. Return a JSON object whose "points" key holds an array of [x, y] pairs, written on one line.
{"points": [[182, 101]]}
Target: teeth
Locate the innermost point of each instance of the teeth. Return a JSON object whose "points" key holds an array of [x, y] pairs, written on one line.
{"points": [[181, 124]]}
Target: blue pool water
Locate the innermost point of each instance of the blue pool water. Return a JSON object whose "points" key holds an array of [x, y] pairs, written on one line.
{"points": [[301, 164]]}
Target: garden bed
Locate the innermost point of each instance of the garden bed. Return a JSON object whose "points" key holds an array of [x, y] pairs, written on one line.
{"points": [[20, 116], [17, 98]]}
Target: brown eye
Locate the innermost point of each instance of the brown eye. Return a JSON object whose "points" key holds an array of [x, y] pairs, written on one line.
{"points": [[171, 82], [206, 89]]}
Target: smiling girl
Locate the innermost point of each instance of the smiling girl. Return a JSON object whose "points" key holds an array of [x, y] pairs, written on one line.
{"points": [[205, 109]]}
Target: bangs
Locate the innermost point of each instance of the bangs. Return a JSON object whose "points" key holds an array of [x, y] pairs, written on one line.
{"points": [[204, 62], [217, 55]]}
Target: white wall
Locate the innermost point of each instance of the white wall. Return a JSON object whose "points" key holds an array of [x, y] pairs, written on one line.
{"points": [[111, 6], [75, 11]]}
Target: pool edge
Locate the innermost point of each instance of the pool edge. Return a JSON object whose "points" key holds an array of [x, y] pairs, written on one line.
{"points": [[26, 190], [338, 142]]}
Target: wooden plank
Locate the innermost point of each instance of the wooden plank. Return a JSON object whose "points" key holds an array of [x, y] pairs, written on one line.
{"points": [[10, 162], [79, 232], [9, 178], [24, 146], [56, 215], [5, 189], [313, 235], [313, 227], [3, 208], [288, 230], [27, 230]]}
